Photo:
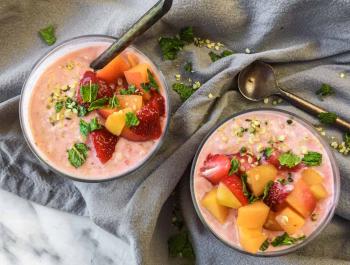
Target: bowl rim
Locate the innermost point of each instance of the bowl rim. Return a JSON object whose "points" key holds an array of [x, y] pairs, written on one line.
{"points": [[92, 38], [319, 228]]}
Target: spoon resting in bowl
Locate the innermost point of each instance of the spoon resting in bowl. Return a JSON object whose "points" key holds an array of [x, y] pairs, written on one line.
{"points": [[257, 81]]}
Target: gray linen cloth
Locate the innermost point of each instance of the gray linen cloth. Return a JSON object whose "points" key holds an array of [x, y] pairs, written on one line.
{"points": [[306, 41]]}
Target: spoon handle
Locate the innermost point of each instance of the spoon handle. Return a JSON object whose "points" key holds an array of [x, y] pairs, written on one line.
{"points": [[311, 108], [144, 23]]}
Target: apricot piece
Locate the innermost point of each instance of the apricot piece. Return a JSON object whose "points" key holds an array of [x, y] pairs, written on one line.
{"points": [[115, 122], [271, 223], [301, 199], [319, 191], [289, 220], [251, 239], [253, 215], [211, 203], [114, 69], [130, 101], [311, 176], [259, 176], [226, 198]]}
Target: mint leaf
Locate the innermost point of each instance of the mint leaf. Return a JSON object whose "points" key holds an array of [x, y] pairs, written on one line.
{"points": [[188, 67], [267, 189], [131, 90], [98, 104], [152, 81], [265, 245], [84, 127], [268, 152], [214, 56], [186, 34], [48, 35], [312, 158], [327, 117], [179, 245], [289, 159], [77, 154], [89, 92], [346, 138], [286, 240], [82, 111], [234, 166], [94, 125], [183, 90], [170, 47], [113, 102], [59, 106], [325, 90], [245, 185], [131, 119]]}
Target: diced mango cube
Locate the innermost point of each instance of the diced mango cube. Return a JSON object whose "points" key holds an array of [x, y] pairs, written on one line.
{"points": [[258, 177], [251, 239], [319, 191], [211, 203], [226, 198], [253, 215], [301, 199], [130, 101], [271, 223], [311, 177], [289, 220], [115, 122]]}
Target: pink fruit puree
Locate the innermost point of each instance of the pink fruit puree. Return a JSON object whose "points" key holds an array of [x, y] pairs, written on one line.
{"points": [[52, 142], [296, 138]]}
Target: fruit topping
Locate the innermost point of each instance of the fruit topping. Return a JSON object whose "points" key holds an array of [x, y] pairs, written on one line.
{"points": [[157, 102], [114, 69], [104, 143], [311, 176], [259, 176], [253, 215], [289, 220], [234, 184], [211, 203], [277, 194], [271, 223], [226, 198], [215, 168], [251, 239], [246, 161], [319, 191], [115, 122]]}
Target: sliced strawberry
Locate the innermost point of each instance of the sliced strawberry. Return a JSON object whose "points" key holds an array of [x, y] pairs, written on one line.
{"points": [[246, 161], [104, 89], [104, 143], [234, 183], [215, 167], [157, 102], [148, 129], [277, 195]]}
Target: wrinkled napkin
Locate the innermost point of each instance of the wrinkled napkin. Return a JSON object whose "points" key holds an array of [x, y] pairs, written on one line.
{"points": [[306, 41]]}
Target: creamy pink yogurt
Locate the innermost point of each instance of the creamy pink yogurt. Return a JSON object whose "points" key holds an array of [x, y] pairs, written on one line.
{"points": [[52, 142], [296, 137]]}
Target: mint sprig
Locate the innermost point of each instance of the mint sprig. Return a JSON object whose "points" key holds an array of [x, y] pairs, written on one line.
{"points": [[77, 155]]}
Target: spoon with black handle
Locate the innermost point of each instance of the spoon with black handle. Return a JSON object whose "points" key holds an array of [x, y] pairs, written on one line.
{"points": [[257, 81], [144, 23]]}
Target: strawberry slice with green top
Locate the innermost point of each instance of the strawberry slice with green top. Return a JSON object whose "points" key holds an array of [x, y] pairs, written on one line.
{"points": [[234, 183], [104, 143], [215, 167]]}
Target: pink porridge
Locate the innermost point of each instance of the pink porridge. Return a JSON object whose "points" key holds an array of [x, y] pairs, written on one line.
{"points": [[97, 125], [263, 182]]}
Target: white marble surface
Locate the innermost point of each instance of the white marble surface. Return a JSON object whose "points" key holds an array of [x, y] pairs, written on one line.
{"points": [[31, 234]]}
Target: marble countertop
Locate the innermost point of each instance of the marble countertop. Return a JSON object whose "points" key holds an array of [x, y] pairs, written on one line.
{"points": [[31, 234]]}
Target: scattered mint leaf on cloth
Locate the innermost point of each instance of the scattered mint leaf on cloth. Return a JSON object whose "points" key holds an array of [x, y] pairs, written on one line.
{"points": [[179, 245], [98, 104], [327, 118], [286, 240], [215, 56], [89, 92], [186, 34], [289, 159], [48, 35], [188, 67], [325, 90], [131, 119], [347, 139], [312, 158], [77, 154], [129, 91], [113, 102], [234, 166], [170, 47], [183, 90]]}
